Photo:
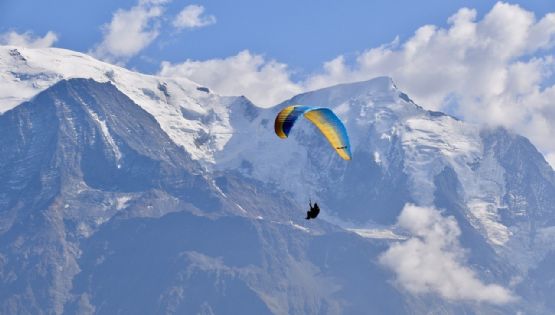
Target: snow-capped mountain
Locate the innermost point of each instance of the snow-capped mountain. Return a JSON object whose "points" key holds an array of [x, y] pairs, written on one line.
{"points": [[190, 114], [128, 193], [396, 141]]}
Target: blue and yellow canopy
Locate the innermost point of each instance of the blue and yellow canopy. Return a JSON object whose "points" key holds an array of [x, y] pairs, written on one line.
{"points": [[323, 118]]}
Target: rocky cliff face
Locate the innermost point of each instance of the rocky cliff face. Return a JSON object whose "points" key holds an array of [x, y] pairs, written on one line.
{"points": [[72, 158]]}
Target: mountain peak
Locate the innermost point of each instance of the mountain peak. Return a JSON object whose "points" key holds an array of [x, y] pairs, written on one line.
{"points": [[24, 72], [341, 92], [189, 113]]}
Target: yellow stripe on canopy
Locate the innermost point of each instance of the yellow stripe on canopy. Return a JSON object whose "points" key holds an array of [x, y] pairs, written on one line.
{"points": [[329, 131], [327, 122]]}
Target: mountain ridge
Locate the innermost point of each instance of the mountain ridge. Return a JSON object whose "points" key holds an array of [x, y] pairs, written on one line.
{"points": [[90, 170]]}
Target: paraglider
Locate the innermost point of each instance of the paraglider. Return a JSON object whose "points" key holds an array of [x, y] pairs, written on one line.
{"points": [[329, 124], [313, 212]]}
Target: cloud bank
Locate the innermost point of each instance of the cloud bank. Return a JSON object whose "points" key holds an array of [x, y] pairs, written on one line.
{"points": [[432, 260], [27, 39], [493, 71], [265, 82]]}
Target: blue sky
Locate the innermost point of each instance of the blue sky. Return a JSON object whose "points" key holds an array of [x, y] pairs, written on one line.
{"points": [[302, 34], [489, 62]]}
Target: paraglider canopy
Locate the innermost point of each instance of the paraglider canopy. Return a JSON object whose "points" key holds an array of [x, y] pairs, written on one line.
{"points": [[327, 122]]}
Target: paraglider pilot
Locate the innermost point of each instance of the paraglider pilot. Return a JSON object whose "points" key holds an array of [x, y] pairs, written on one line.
{"points": [[313, 212]]}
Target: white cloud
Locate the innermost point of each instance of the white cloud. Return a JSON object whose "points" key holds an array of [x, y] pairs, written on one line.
{"points": [[192, 16], [27, 39], [130, 31], [432, 260], [495, 70], [487, 66], [265, 82]]}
